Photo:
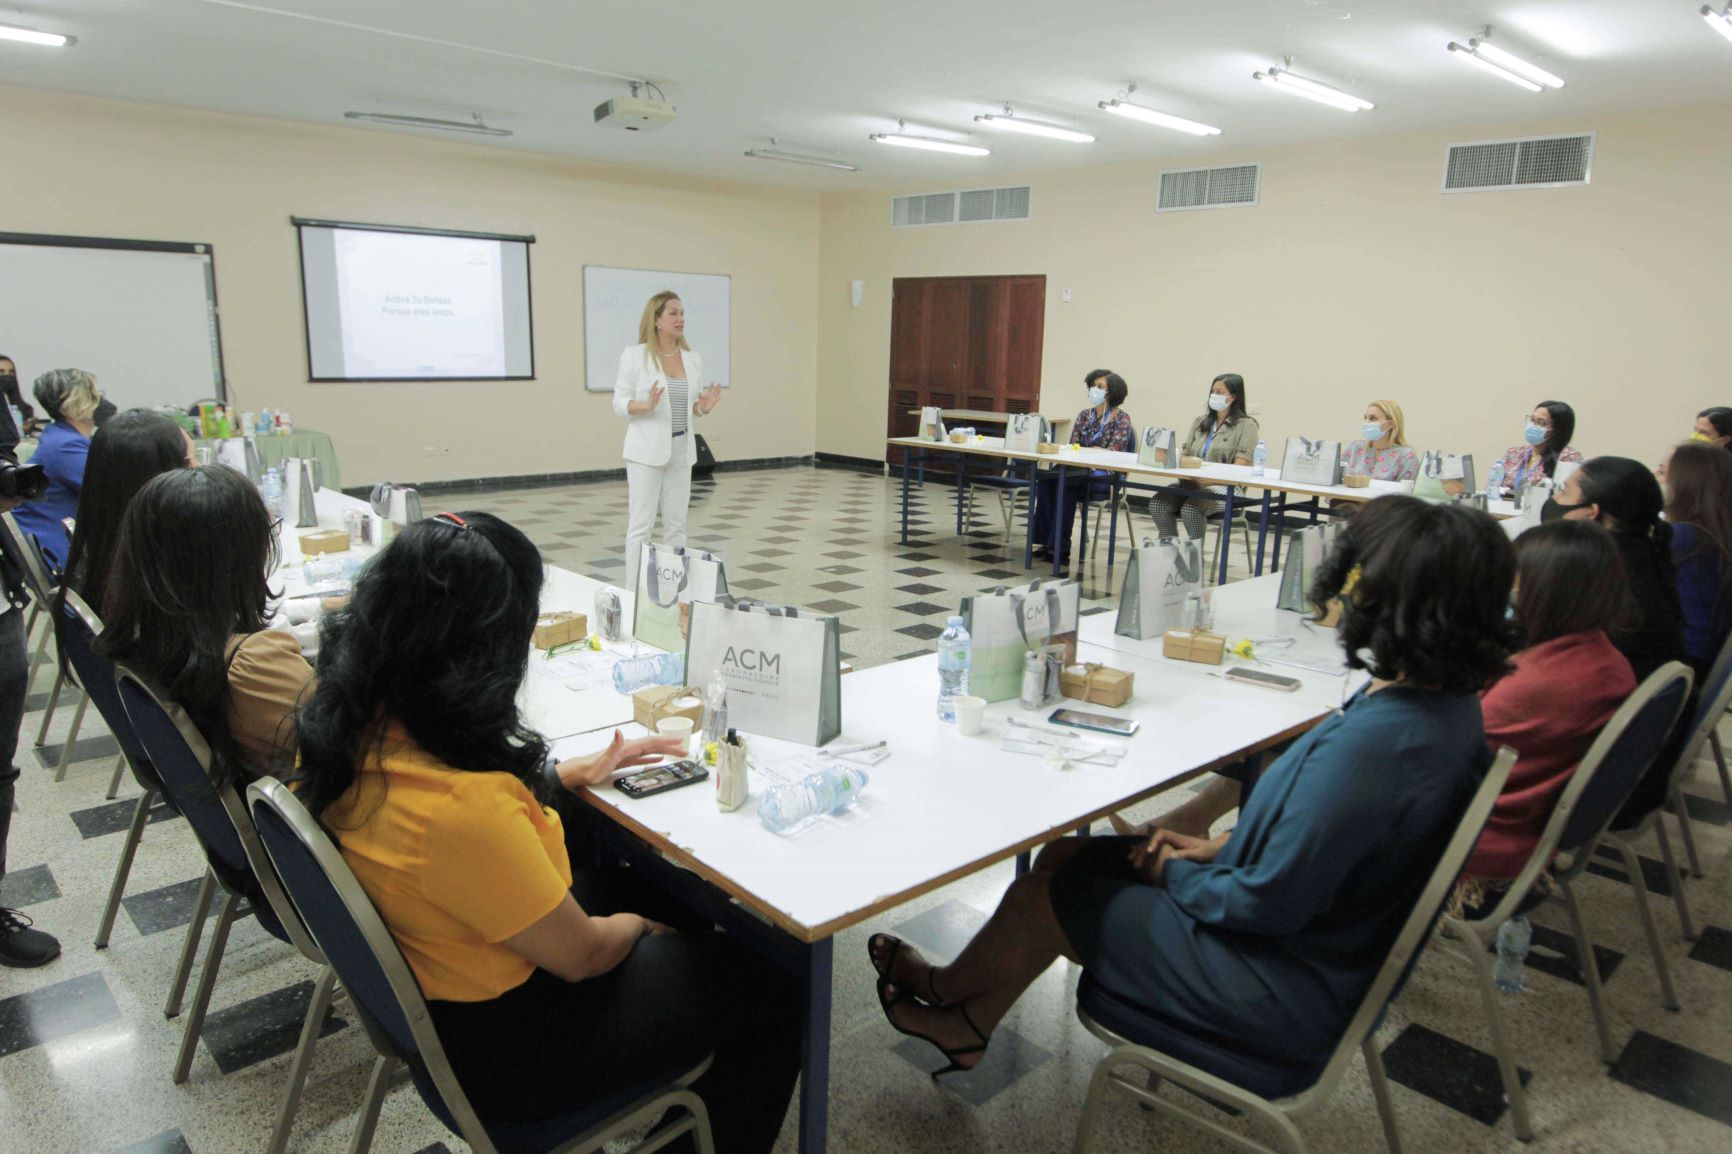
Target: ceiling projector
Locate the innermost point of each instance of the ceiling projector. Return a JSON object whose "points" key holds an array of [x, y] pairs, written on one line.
{"points": [[634, 113]]}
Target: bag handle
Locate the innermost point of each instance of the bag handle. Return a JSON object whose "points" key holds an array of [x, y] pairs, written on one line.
{"points": [[1052, 614], [653, 581]]}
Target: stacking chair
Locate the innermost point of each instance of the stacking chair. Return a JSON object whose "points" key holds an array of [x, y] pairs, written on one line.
{"points": [[237, 864], [1597, 789], [389, 1004], [1222, 530], [1007, 485], [1713, 697], [1278, 1095], [37, 583], [1116, 503], [78, 628]]}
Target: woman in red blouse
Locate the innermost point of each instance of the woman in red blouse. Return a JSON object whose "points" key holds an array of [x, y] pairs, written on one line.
{"points": [[1103, 425], [1567, 682]]}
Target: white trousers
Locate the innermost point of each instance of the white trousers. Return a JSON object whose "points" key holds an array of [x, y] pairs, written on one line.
{"points": [[667, 487]]}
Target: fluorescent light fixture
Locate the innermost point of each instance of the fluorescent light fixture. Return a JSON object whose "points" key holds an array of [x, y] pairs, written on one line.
{"points": [[1486, 50], [1461, 52], [928, 144], [1285, 81], [1132, 111], [798, 158], [476, 127], [31, 36], [1720, 22], [1013, 123]]}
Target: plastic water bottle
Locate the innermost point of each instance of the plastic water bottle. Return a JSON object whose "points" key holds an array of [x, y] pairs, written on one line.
{"points": [[1259, 458], [955, 655], [1514, 938], [271, 489], [631, 674], [1494, 482], [715, 711], [826, 791]]}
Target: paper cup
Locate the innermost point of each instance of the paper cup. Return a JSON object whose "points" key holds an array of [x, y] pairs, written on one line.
{"points": [[680, 727], [970, 715]]}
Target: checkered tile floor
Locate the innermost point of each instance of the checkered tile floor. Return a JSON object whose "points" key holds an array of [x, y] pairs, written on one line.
{"points": [[85, 1053]]}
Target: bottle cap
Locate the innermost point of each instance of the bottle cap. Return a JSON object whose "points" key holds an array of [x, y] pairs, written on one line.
{"points": [[956, 620]]}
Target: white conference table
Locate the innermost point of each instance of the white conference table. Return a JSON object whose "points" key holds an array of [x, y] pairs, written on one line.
{"points": [[944, 806], [1126, 469]]}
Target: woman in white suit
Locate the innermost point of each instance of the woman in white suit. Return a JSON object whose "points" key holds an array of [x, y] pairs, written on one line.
{"points": [[654, 393]]}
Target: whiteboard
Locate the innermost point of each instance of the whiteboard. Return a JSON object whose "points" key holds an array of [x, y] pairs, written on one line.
{"points": [[140, 315], [613, 301]]}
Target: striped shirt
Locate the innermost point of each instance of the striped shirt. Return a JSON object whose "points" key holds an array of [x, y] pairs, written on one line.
{"points": [[680, 399]]}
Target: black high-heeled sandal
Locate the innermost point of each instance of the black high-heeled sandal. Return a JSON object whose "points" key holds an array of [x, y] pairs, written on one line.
{"points": [[895, 944], [888, 997]]}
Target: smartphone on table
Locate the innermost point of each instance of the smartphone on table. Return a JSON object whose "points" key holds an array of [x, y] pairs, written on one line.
{"points": [[1099, 722], [1259, 677], [662, 778]]}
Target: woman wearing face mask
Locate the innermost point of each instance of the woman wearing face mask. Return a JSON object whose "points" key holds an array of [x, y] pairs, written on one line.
{"points": [[1382, 452], [9, 390], [1713, 426], [1103, 425], [1226, 434], [1623, 497], [1546, 441]]}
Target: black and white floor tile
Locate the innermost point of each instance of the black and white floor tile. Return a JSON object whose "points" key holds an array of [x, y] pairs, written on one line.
{"points": [[86, 1053]]}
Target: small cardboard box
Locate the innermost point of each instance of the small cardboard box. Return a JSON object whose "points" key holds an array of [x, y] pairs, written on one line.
{"points": [[1194, 645], [1096, 683], [1046, 448], [560, 628], [1110, 686], [652, 703], [959, 438], [1356, 480], [325, 541], [1190, 462]]}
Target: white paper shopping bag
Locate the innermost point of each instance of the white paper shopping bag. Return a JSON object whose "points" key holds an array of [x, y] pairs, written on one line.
{"points": [[1025, 431], [782, 667], [1005, 624], [1162, 574], [1312, 462], [669, 579], [1305, 554], [1158, 447]]}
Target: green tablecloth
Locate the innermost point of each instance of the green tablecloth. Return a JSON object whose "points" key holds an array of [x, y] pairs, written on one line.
{"points": [[300, 443]]}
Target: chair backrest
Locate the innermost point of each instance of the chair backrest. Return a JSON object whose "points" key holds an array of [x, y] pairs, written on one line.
{"points": [[1623, 753], [1604, 778], [27, 554], [182, 759], [76, 628], [1416, 929], [358, 945], [1713, 697]]}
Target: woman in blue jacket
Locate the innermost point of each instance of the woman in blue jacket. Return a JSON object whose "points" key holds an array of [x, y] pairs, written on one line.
{"points": [[1264, 940], [70, 398]]}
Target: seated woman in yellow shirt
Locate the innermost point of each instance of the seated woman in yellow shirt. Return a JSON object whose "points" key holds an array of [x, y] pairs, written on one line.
{"points": [[546, 994]]}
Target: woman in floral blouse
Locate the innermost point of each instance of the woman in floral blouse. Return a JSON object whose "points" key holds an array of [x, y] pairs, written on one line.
{"points": [[1382, 452], [1547, 436], [1103, 425]]}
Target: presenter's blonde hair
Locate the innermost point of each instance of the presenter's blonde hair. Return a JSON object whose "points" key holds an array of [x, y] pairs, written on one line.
{"points": [[1392, 410], [68, 393], [652, 312]]}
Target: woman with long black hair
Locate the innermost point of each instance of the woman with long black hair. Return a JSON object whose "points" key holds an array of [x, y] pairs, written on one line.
{"points": [[1545, 442], [546, 992], [1699, 509], [1225, 434]]}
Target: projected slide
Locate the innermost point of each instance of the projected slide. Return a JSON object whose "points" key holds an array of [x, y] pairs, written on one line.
{"points": [[415, 306]]}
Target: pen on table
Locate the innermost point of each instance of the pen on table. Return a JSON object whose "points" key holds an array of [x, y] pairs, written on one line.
{"points": [[843, 751]]}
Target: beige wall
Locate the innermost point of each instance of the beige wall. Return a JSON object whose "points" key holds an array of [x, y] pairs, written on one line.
{"points": [[1354, 279], [102, 168]]}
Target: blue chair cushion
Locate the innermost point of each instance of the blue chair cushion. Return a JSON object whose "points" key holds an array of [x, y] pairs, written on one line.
{"points": [[536, 1136], [1142, 1026]]}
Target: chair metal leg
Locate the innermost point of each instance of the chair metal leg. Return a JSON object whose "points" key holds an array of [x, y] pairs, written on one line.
{"points": [[316, 1010], [213, 961], [1720, 764], [1500, 1044], [1590, 969], [189, 947], [36, 659], [114, 782], [377, 1084], [128, 849], [1645, 910], [1380, 1091], [1085, 1127], [71, 736], [1679, 898], [53, 704], [1682, 812]]}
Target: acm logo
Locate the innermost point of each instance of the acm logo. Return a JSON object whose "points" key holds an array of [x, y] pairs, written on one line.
{"points": [[758, 661]]}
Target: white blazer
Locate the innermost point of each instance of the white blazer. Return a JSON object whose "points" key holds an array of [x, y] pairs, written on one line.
{"points": [[649, 437]]}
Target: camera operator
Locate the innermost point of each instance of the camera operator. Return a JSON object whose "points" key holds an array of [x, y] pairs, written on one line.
{"points": [[20, 945]]}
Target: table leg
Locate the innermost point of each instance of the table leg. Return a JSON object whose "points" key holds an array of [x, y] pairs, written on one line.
{"points": [[1226, 534], [1028, 518], [1082, 544], [1263, 530], [1023, 861], [815, 1050], [961, 477], [1057, 520], [906, 453], [1280, 527], [1115, 493]]}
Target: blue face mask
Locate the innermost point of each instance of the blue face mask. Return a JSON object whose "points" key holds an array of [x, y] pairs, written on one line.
{"points": [[1096, 396], [1371, 430], [1535, 435]]}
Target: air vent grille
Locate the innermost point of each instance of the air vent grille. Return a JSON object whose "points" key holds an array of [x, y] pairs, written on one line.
{"points": [[1536, 162], [969, 206], [1236, 186]]}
